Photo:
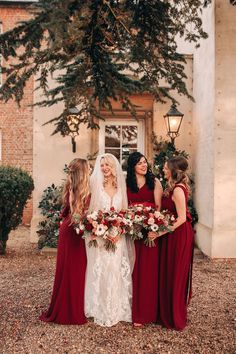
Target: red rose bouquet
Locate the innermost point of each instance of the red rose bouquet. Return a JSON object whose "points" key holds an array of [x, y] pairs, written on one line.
{"points": [[147, 218], [103, 228]]}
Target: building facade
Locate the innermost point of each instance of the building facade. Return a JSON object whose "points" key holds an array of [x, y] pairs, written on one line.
{"points": [[207, 133]]}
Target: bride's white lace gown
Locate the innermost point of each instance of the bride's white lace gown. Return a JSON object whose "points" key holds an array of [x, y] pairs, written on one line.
{"points": [[108, 289]]}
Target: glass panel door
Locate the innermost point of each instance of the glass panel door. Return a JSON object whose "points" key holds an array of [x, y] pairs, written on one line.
{"points": [[120, 138]]}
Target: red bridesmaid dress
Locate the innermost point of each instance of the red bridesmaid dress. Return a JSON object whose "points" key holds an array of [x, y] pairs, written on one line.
{"points": [[67, 302], [175, 279], [145, 273]]}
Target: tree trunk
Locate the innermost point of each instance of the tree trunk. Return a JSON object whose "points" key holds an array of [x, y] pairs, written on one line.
{"points": [[3, 245], [4, 232]]}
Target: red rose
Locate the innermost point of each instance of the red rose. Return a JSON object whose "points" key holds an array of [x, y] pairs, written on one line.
{"points": [[88, 227], [105, 222]]}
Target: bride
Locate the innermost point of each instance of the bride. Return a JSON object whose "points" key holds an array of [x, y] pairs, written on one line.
{"points": [[108, 289]]}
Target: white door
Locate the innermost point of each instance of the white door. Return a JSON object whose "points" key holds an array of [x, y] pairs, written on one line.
{"points": [[121, 137]]}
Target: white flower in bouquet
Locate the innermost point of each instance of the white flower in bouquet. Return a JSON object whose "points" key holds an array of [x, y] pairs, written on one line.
{"points": [[172, 218], [138, 218], [129, 223], [157, 214], [101, 229], [154, 227], [161, 216], [148, 208], [77, 230], [151, 221], [139, 208], [93, 215]]}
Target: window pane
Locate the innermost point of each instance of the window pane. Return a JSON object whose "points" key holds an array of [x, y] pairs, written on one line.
{"points": [[130, 136], [112, 136], [115, 152]]}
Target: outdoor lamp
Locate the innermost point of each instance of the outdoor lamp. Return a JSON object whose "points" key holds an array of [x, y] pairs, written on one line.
{"points": [[73, 121], [173, 120]]}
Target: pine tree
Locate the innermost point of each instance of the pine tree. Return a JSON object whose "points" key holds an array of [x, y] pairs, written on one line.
{"points": [[99, 51]]}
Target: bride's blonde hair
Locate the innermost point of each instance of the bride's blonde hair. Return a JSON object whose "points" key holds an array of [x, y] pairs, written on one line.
{"points": [[111, 163], [77, 185]]}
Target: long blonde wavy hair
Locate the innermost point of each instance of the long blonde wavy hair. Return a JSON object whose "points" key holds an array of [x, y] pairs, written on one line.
{"points": [[77, 186], [178, 166]]}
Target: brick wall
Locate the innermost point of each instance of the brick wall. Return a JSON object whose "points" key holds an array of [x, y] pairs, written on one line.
{"points": [[16, 122]]}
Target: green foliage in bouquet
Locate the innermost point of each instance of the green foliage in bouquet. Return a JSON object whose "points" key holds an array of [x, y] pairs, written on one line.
{"points": [[50, 205], [164, 150], [16, 186]]}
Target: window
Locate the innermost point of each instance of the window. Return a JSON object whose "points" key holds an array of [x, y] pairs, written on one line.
{"points": [[121, 137]]}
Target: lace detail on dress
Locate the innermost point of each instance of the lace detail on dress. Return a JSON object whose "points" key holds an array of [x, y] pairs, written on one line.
{"points": [[108, 290]]}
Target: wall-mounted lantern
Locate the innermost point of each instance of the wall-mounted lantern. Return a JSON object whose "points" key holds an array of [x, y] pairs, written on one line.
{"points": [[173, 120]]}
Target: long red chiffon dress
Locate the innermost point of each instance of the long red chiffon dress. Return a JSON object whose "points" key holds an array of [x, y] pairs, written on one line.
{"points": [[145, 273], [67, 302], [175, 279]]}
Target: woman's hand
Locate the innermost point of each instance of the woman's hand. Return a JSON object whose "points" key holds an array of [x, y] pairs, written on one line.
{"points": [[113, 239], [152, 235]]}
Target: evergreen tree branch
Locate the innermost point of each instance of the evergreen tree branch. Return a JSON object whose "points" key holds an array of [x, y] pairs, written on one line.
{"points": [[99, 51]]}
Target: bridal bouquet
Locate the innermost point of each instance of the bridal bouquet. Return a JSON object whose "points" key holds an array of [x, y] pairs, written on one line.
{"points": [[107, 226], [147, 218]]}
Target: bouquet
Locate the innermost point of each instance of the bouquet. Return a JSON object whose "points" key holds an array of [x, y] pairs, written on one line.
{"points": [[104, 226], [149, 219]]}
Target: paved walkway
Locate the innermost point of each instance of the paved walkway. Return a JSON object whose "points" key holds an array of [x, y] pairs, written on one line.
{"points": [[26, 279]]}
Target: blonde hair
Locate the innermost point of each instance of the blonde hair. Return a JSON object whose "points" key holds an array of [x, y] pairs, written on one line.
{"points": [[77, 186], [111, 163], [178, 166]]}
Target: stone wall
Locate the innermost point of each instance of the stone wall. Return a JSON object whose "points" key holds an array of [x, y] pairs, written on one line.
{"points": [[214, 77], [224, 232]]}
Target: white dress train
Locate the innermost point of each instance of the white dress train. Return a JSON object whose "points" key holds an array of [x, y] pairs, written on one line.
{"points": [[108, 289]]}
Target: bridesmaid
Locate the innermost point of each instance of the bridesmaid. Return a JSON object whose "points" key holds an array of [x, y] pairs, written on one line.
{"points": [[176, 248], [143, 187], [67, 302]]}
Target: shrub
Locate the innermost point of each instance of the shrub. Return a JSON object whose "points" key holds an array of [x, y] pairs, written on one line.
{"points": [[50, 205], [164, 150], [16, 187]]}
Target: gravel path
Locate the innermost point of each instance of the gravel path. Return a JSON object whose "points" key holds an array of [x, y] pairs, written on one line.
{"points": [[26, 279]]}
